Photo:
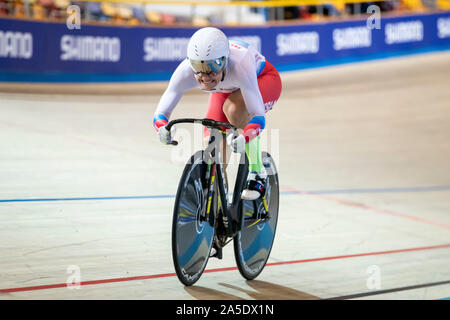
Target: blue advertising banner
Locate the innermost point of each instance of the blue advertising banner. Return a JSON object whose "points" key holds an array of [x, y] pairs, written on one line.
{"points": [[34, 51]]}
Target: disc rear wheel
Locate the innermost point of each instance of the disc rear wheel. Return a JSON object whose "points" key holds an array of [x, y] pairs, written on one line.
{"points": [[253, 243]]}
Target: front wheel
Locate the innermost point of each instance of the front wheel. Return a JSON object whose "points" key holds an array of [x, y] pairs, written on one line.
{"points": [[253, 243], [192, 230]]}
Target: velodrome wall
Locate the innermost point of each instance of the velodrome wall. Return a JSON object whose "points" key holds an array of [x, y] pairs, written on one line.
{"points": [[32, 51]]}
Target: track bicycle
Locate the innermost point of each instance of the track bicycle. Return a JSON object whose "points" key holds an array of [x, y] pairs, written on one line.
{"points": [[206, 217]]}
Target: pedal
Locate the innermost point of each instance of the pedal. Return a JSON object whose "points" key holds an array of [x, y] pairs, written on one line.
{"points": [[265, 217], [216, 252], [260, 208]]}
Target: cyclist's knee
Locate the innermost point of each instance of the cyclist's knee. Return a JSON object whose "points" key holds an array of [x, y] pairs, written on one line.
{"points": [[237, 114]]}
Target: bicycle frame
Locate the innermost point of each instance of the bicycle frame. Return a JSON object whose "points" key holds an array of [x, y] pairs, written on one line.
{"points": [[216, 176], [232, 216]]}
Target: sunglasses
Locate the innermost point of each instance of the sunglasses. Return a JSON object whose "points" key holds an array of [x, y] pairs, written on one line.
{"points": [[208, 67]]}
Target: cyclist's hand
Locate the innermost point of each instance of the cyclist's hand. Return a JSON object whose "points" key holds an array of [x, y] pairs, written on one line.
{"points": [[236, 143], [165, 136]]}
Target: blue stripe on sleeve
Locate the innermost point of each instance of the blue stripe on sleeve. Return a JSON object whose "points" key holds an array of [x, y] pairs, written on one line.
{"points": [[261, 120], [159, 116]]}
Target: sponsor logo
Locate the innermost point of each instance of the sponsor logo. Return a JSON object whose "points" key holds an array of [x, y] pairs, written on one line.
{"points": [[443, 26], [16, 45], [165, 49], [89, 48], [269, 105], [297, 43], [402, 32], [351, 38]]}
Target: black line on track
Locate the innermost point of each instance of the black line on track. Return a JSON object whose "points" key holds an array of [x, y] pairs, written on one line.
{"points": [[373, 293]]}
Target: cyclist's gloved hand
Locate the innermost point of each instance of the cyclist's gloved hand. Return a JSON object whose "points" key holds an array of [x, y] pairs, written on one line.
{"points": [[236, 143], [159, 123], [165, 135]]}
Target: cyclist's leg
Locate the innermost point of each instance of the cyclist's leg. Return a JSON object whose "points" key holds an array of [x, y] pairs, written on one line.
{"points": [[269, 84], [235, 111], [215, 112]]}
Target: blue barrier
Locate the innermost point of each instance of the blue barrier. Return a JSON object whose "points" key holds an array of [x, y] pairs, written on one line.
{"points": [[34, 51]]}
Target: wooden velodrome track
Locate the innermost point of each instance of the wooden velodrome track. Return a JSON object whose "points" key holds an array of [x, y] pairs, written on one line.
{"points": [[87, 190]]}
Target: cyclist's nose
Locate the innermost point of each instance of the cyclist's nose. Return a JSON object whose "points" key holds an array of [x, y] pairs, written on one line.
{"points": [[206, 77]]}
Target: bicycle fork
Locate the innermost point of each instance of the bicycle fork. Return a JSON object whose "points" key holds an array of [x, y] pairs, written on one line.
{"points": [[209, 178]]}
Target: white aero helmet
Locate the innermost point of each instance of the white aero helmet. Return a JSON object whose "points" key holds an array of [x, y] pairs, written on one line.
{"points": [[208, 50]]}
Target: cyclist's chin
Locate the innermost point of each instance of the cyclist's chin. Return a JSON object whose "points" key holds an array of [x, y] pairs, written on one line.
{"points": [[209, 85]]}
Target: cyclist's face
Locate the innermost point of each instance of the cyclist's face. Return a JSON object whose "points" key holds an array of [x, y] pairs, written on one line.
{"points": [[210, 80]]}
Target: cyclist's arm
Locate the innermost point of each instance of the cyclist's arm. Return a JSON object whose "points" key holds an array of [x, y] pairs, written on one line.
{"points": [[182, 80], [252, 97]]}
